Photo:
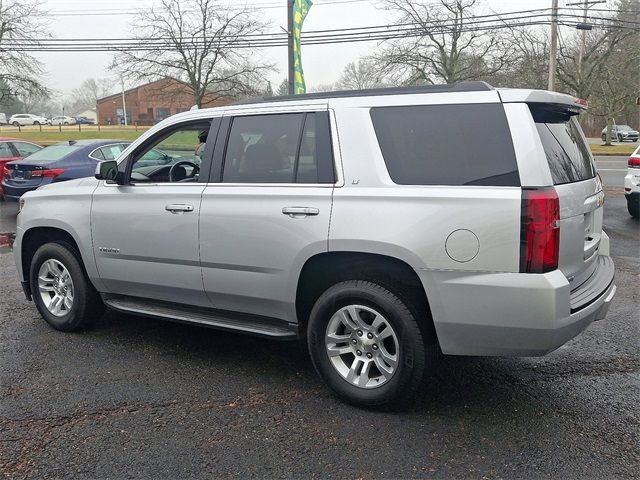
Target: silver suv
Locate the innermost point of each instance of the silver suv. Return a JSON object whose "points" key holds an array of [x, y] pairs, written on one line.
{"points": [[381, 227]]}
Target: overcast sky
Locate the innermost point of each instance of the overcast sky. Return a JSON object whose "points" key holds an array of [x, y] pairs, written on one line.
{"points": [[322, 63]]}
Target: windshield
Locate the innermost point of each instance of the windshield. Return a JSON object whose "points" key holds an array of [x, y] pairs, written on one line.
{"points": [[52, 153], [624, 127]]}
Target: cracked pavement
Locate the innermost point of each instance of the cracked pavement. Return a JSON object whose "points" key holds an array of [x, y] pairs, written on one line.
{"points": [[135, 397]]}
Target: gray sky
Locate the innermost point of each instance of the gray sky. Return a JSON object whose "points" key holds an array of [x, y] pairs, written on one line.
{"points": [[322, 63]]}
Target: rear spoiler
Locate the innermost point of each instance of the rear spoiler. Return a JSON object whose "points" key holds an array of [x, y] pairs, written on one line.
{"points": [[571, 105]]}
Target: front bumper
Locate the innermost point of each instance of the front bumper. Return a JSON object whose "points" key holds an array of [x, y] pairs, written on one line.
{"points": [[514, 314]]}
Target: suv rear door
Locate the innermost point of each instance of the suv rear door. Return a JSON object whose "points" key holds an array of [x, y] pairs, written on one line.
{"points": [[266, 209], [578, 187]]}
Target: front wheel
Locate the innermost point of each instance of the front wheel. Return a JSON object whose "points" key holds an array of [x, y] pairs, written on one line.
{"points": [[66, 123], [366, 344], [61, 290], [36, 123], [15, 124], [620, 138]]}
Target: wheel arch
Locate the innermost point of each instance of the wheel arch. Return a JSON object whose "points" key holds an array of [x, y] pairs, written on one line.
{"points": [[322, 270], [35, 237]]}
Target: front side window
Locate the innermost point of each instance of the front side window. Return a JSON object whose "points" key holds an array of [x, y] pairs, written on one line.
{"points": [[172, 156], [279, 148]]}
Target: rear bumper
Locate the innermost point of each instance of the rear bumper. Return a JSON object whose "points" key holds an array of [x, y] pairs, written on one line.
{"points": [[514, 314], [14, 192]]}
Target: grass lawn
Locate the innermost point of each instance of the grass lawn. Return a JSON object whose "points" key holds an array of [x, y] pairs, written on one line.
{"points": [[51, 136], [598, 148]]}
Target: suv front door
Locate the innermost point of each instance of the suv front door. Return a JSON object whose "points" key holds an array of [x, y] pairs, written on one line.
{"points": [[266, 209], [145, 232]]}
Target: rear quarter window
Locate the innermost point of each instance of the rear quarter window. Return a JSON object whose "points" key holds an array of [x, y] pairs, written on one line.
{"points": [[565, 146], [446, 144]]}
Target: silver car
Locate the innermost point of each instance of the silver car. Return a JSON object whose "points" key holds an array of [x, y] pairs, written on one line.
{"points": [[358, 222]]}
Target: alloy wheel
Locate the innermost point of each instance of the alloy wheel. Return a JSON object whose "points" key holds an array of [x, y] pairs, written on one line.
{"points": [[362, 346], [55, 287]]}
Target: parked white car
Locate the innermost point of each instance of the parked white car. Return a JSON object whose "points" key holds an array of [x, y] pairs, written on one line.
{"points": [[21, 119], [63, 120], [632, 184]]}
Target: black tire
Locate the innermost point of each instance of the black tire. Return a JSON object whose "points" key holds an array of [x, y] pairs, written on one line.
{"points": [[620, 138], [66, 123], [415, 348], [604, 138], [36, 123], [633, 206], [15, 124], [87, 305]]}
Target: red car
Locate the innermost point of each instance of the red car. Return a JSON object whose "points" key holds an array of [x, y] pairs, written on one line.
{"points": [[14, 149]]}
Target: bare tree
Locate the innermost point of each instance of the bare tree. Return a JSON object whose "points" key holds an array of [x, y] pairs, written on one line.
{"points": [[283, 88], [88, 93], [21, 22], [361, 74], [447, 50], [198, 43], [529, 63]]}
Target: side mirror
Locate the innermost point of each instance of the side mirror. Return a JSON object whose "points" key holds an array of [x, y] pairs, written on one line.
{"points": [[107, 170]]}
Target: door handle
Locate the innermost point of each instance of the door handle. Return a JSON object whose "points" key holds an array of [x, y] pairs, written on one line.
{"points": [[300, 211], [178, 208]]}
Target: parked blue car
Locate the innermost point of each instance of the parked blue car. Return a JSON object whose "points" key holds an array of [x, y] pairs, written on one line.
{"points": [[57, 163]]}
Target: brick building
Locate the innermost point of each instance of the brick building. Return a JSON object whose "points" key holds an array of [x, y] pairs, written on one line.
{"points": [[149, 103]]}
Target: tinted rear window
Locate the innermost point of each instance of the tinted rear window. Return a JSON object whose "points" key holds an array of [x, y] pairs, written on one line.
{"points": [[446, 144], [565, 147], [52, 153]]}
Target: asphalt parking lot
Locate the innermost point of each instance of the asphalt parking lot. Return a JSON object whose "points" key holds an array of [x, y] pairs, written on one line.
{"points": [[135, 397]]}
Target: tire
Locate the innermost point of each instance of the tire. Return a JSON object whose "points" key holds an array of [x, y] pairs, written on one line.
{"points": [[66, 123], [15, 124], [633, 206], [604, 138], [620, 138], [36, 123], [85, 306], [411, 351]]}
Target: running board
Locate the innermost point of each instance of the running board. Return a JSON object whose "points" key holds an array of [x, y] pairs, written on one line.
{"points": [[223, 320]]}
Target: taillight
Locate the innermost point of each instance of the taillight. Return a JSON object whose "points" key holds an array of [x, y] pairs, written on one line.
{"points": [[539, 230], [634, 162], [51, 173]]}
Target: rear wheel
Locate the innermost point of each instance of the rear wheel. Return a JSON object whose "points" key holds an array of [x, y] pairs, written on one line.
{"points": [[15, 124], [633, 205], [36, 123], [61, 291], [66, 123], [367, 345]]}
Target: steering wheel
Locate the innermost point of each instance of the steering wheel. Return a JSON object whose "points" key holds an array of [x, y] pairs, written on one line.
{"points": [[180, 174]]}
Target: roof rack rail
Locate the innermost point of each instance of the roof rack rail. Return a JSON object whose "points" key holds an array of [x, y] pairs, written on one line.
{"points": [[370, 92]]}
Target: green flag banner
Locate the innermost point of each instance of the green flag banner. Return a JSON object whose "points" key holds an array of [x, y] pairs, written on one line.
{"points": [[300, 10]]}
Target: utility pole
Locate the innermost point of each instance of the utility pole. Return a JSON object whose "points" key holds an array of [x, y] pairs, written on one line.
{"points": [[553, 54], [290, 44], [583, 40], [124, 105]]}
